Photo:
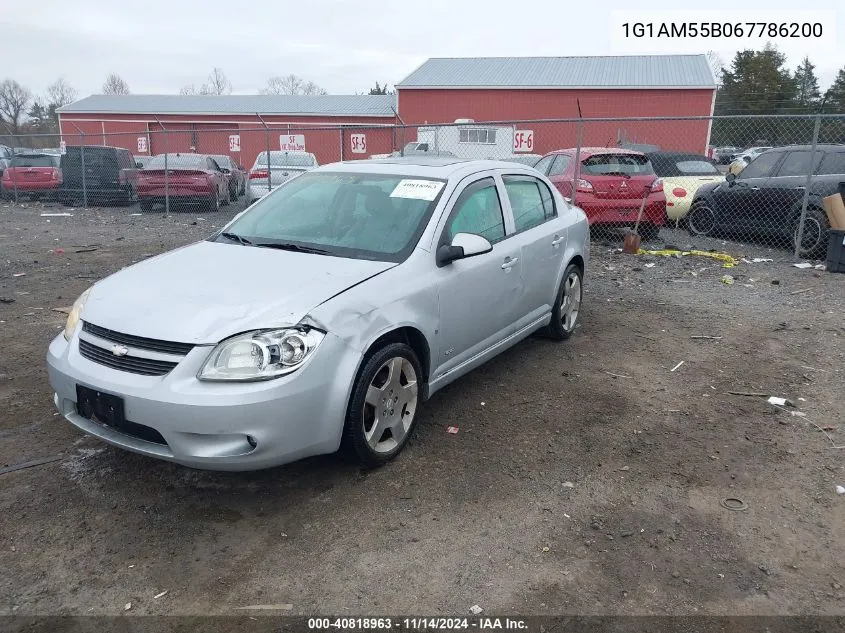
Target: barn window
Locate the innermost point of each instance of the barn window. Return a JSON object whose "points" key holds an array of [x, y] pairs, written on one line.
{"points": [[485, 136]]}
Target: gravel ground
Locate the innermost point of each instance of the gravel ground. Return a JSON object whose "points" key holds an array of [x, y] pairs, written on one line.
{"points": [[586, 477]]}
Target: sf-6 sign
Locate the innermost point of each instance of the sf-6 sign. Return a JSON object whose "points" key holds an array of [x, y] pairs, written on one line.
{"points": [[292, 142], [523, 140]]}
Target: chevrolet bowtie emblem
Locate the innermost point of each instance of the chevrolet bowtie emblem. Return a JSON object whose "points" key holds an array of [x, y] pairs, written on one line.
{"points": [[119, 350]]}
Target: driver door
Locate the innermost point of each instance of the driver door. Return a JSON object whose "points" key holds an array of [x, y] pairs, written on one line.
{"points": [[742, 202], [479, 296]]}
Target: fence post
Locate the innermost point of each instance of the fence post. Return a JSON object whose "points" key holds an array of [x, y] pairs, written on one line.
{"points": [[800, 237], [342, 140], [84, 175], [166, 172], [12, 144], [576, 173]]}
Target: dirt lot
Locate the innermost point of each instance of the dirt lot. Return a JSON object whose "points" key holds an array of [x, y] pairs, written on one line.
{"points": [[586, 477]]}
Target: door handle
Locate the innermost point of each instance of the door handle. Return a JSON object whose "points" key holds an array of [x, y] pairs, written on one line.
{"points": [[556, 242], [755, 188], [799, 188], [509, 262]]}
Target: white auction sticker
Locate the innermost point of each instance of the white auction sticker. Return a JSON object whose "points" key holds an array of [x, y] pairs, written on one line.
{"points": [[417, 189]]}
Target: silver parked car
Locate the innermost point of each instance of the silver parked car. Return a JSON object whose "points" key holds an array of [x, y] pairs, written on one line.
{"points": [[323, 316], [269, 172]]}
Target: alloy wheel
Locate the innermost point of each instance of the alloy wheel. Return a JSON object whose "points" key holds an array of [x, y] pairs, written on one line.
{"points": [[390, 404], [570, 304]]}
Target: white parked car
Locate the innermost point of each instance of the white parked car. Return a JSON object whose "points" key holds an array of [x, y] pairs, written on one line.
{"points": [[269, 172]]}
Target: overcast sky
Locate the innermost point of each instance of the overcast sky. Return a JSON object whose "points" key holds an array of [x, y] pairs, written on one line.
{"points": [[345, 46]]}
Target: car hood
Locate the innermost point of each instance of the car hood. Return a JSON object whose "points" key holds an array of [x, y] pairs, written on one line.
{"points": [[208, 291]]}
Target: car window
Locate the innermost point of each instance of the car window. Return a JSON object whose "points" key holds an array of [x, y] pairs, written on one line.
{"points": [[616, 164], [33, 160], [560, 165], [696, 168], [798, 163], [833, 163], [184, 161], [478, 211], [761, 166], [525, 195], [212, 165], [542, 165], [548, 200]]}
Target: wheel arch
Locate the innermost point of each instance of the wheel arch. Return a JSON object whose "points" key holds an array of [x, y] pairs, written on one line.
{"points": [[413, 338]]}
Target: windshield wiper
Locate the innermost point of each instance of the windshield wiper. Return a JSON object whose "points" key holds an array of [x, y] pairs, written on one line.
{"points": [[236, 238], [289, 246]]}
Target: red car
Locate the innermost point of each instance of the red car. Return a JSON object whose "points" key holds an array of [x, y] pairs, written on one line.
{"points": [[611, 185], [194, 179], [33, 175]]}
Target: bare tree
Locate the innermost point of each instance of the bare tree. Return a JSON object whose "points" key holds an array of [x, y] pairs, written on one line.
{"points": [[189, 89], [60, 93], [115, 85], [716, 65], [291, 85], [14, 99], [218, 83]]}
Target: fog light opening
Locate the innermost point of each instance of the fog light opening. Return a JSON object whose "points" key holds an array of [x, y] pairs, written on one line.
{"points": [[252, 441]]}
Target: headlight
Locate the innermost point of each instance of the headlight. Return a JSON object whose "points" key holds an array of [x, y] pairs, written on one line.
{"points": [[75, 313], [261, 355]]}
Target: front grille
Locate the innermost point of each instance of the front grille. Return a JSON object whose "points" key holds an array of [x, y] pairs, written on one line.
{"points": [[139, 342], [132, 364]]}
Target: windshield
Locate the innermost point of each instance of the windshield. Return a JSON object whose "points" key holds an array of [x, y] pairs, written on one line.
{"points": [[285, 159], [36, 160], [223, 161], [185, 161], [361, 216], [625, 164]]}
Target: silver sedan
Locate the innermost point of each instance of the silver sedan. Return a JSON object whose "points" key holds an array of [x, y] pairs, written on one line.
{"points": [[324, 315]]}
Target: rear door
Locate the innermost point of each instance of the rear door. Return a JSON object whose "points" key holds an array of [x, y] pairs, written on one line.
{"points": [[560, 174], [541, 235], [784, 191]]}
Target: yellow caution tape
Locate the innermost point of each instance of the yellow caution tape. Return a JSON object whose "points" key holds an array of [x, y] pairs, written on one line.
{"points": [[729, 260]]}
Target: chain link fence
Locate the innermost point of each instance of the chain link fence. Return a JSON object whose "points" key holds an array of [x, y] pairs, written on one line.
{"points": [[755, 178]]}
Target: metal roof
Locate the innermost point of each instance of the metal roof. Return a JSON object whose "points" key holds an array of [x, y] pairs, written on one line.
{"points": [[630, 71], [320, 105]]}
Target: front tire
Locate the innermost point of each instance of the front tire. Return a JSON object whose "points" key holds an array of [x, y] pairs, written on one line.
{"points": [[567, 308], [383, 408], [146, 205]]}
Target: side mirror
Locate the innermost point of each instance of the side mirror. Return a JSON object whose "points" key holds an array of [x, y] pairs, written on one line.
{"points": [[730, 177], [463, 245]]}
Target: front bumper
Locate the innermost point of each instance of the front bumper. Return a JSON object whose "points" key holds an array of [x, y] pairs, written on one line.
{"points": [[212, 425]]}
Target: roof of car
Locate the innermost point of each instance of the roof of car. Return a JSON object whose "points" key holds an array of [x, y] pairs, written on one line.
{"points": [[439, 167], [819, 147], [589, 151], [687, 155]]}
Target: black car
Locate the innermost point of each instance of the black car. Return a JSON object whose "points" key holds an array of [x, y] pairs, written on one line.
{"points": [[110, 176], [765, 199]]}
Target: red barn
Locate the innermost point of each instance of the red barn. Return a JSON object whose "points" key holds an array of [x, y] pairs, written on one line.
{"points": [[155, 124], [444, 90]]}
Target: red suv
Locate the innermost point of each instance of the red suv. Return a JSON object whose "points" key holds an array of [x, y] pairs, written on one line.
{"points": [[611, 185]]}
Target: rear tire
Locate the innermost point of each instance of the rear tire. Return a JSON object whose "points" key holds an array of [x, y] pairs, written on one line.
{"points": [[214, 202], [567, 310], [146, 205], [701, 220], [383, 408], [815, 237]]}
